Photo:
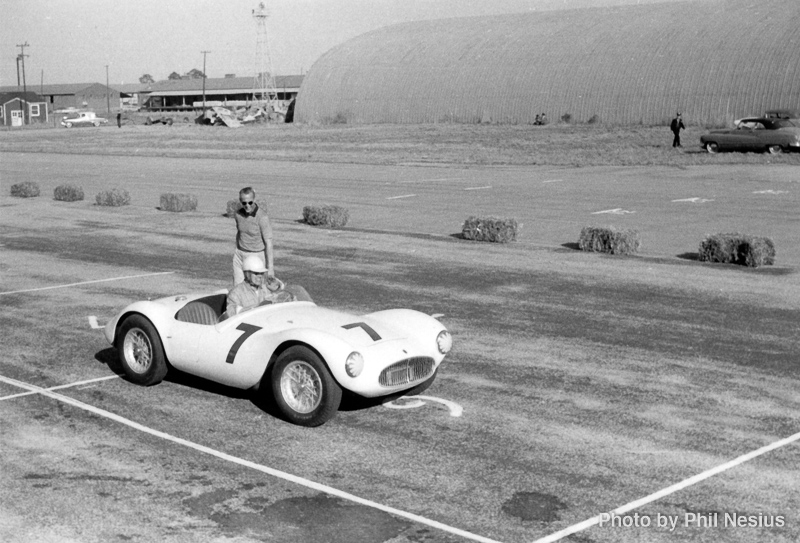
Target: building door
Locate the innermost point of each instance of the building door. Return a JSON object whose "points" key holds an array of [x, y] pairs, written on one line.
{"points": [[16, 117]]}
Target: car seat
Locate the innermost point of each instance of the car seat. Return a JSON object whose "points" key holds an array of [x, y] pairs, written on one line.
{"points": [[203, 310]]}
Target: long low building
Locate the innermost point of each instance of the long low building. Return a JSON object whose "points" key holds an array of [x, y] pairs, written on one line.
{"points": [[188, 94], [167, 95], [713, 60], [93, 96]]}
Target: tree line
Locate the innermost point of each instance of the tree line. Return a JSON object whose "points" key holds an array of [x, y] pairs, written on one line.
{"points": [[191, 74]]}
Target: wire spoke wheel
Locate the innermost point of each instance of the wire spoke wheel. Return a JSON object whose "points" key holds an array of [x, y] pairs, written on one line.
{"points": [[138, 350], [141, 353], [301, 387]]}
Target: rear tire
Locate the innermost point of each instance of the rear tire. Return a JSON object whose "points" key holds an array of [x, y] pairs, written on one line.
{"points": [[774, 149], [304, 390], [712, 147], [68, 125], [140, 351]]}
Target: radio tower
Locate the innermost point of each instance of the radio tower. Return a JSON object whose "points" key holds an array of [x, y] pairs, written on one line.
{"points": [[264, 91]]}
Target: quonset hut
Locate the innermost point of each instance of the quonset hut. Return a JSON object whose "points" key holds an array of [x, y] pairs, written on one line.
{"points": [[713, 60]]}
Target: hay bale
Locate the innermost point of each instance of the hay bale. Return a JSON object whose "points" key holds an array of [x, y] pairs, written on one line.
{"points": [[326, 215], [178, 202], [68, 193], [490, 229], [27, 189], [113, 198], [607, 239], [235, 205], [736, 248]]}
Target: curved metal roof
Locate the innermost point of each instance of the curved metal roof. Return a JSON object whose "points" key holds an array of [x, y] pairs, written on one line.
{"points": [[713, 60]]}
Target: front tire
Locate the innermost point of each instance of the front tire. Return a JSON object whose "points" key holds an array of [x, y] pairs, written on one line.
{"points": [[774, 149], [140, 351], [304, 390], [712, 147]]}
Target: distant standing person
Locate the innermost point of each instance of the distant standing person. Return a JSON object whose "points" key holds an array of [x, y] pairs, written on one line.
{"points": [[676, 125], [253, 235], [119, 119]]}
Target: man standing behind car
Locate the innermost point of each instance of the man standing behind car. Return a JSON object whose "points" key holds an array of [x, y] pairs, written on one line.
{"points": [[676, 125], [253, 235]]}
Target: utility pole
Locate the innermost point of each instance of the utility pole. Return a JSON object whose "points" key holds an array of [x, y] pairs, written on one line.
{"points": [[108, 98], [21, 57], [204, 81]]}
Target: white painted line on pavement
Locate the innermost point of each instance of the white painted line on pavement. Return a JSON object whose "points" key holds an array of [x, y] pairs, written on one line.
{"points": [[252, 465], [59, 387], [87, 282], [667, 491], [615, 211], [478, 188], [552, 180], [93, 324], [418, 401], [694, 200], [403, 196]]}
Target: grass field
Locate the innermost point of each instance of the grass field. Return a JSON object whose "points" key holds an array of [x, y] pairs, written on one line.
{"points": [[587, 382], [455, 144]]}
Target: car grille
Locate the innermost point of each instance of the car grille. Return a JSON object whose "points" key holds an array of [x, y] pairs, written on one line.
{"points": [[407, 371]]}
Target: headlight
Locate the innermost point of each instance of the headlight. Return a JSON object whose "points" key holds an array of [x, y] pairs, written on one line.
{"points": [[444, 341], [354, 364]]}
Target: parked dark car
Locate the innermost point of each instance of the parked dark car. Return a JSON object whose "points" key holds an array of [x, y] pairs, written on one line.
{"points": [[758, 134]]}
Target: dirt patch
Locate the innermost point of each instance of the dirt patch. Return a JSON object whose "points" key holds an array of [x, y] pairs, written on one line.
{"points": [[534, 506]]}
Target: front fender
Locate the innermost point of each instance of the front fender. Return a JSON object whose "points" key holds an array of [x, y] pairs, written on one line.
{"points": [[156, 313], [255, 355]]}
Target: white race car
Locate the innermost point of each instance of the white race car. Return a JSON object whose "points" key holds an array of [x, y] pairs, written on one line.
{"points": [[303, 353]]}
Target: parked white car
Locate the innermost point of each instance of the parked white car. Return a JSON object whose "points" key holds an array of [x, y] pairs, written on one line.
{"points": [[83, 118], [304, 355]]}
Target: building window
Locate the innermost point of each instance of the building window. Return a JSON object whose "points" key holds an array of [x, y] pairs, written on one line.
{"points": [[34, 110]]}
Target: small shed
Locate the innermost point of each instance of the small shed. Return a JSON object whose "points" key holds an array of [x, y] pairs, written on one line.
{"points": [[20, 108]]}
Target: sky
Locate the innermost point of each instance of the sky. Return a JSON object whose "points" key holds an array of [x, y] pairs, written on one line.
{"points": [[87, 41]]}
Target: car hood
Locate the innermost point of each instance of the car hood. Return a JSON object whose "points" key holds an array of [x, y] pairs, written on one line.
{"points": [[358, 330]]}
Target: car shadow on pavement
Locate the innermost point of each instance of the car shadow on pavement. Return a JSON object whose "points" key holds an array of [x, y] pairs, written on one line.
{"points": [[261, 398], [109, 358]]}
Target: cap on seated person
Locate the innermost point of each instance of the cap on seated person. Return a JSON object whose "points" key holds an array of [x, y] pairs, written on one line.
{"points": [[254, 264]]}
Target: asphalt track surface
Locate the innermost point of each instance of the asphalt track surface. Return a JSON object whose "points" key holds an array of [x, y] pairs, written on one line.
{"points": [[430, 203], [672, 208]]}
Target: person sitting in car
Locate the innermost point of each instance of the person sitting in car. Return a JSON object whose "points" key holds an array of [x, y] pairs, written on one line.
{"points": [[255, 290]]}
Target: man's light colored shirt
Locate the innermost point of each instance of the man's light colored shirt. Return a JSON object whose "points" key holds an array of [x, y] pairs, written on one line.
{"points": [[252, 231]]}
